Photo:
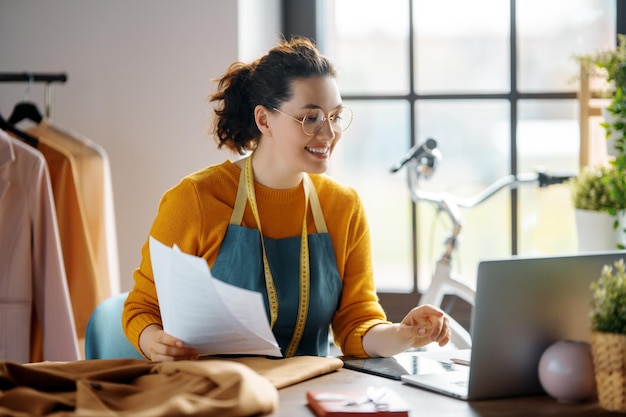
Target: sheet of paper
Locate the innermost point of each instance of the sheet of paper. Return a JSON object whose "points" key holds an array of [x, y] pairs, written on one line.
{"points": [[206, 313]]}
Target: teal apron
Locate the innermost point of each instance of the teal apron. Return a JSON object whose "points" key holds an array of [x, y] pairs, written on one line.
{"points": [[297, 277]]}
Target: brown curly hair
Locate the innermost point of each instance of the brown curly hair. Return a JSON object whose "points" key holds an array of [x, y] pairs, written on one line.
{"points": [[267, 82]]}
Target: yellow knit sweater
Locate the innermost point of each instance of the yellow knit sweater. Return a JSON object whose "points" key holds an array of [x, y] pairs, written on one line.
{"points": [[195, 215]]}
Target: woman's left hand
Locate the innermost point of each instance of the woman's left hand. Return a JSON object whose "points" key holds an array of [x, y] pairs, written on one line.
{"points": [[425, 324]]}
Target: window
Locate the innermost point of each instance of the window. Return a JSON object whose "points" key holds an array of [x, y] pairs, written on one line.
{"points": [[496, 90]]}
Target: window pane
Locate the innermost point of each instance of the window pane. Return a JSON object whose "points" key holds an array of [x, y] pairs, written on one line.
{"points": [[466, 50], [368, 42], [378, 138], [548, 138], [548, 40], [473, 136]]}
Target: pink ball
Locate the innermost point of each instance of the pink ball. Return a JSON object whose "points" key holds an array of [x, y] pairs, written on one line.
{"points": [[566, 371]]}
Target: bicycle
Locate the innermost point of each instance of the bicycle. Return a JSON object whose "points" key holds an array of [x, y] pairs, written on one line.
{"points": [[421, 162]]}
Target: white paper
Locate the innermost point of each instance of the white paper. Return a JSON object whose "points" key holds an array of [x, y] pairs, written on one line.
{"points": [[206, 313]]}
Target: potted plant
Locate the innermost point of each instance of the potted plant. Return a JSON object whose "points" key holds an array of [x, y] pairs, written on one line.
{"points": [[610, 65], [596, 207], [608, 337]]}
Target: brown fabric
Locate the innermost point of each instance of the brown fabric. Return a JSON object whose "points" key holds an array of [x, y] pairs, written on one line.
{"points": [[134, 388], [288, 371]]}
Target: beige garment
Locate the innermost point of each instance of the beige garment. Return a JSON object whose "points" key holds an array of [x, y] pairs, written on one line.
{"points": [[134, 388], [78, 255], [32, 274], [95, 191]]}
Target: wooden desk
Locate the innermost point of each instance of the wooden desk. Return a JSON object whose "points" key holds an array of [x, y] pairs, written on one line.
{"points": [[427, 404]]}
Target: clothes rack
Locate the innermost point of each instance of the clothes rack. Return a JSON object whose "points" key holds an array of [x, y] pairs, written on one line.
{"points": [[36, 77]]}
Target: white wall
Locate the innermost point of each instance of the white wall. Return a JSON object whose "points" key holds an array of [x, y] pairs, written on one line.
{"points": [[139, 73]]}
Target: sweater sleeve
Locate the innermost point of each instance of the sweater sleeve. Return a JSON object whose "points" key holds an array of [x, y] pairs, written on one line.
{"points": [[359, 309], [178, 220]]}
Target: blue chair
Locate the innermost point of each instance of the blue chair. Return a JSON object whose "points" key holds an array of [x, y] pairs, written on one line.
{"points": [[104, 337]]}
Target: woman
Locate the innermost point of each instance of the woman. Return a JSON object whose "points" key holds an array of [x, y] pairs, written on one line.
{"points": [[286, 108]]}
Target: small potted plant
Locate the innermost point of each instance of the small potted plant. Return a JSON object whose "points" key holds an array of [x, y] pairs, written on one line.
{"points": [[596, 207], [608, 338], [591, 189]]}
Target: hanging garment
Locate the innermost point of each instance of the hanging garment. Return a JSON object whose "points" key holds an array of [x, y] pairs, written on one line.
{"points": [[35, 309], [78, 255], [95, 191], [300, 323]]}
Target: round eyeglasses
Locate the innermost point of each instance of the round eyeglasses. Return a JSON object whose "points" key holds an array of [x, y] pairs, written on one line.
{"points": [[314, 119]]}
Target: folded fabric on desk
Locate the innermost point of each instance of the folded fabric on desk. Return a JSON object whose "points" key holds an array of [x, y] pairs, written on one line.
{"points": [[134, 388], [288, 371]]}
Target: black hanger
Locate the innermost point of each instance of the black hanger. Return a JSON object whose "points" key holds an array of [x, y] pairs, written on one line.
{"points": [[25, 110], [25, 137]]}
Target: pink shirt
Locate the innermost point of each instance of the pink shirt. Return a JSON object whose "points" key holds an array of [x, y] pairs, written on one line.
{"points": [[32, 275]]}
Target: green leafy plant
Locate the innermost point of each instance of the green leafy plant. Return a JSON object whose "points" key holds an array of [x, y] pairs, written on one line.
{"points": [[610, 66], [592, 189], [614, 63], [608, 313]]}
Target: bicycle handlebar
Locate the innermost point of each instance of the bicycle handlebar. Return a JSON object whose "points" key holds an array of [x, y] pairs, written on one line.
{"points": [[512, 181], [422, 159], [451, 205]]}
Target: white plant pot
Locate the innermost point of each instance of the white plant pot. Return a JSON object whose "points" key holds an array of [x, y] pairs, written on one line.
{"points": [[595, 231]]}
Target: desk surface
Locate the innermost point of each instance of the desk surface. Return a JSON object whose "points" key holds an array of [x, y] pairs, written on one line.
{"points": [[425, 403]]}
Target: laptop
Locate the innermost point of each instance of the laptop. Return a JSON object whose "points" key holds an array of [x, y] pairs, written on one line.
{"points": [[522, 306]]}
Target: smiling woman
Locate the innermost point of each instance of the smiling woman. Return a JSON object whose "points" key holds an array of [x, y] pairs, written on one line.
{"points": [[273, 223]]}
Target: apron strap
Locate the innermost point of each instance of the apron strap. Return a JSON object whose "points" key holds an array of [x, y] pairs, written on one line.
{"points": [[316, 209], [240, 202]]}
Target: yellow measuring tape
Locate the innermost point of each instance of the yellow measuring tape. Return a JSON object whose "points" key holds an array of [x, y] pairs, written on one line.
{"points": [[303, 304]]}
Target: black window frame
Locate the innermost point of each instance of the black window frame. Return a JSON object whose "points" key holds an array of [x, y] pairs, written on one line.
{"points": [[302, 17]]}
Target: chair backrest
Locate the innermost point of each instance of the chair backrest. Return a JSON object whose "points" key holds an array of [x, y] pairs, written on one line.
{"points": [[105, 338]]}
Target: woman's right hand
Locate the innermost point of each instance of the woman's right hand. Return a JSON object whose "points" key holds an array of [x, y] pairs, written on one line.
{"points": [[159, 346]]}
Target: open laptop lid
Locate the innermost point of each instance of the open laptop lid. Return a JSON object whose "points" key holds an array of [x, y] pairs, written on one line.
{"points": [[522, 306]]}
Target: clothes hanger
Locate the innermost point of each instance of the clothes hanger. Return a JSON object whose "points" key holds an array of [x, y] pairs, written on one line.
{"points": [[23, 136], [25, 110]]}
